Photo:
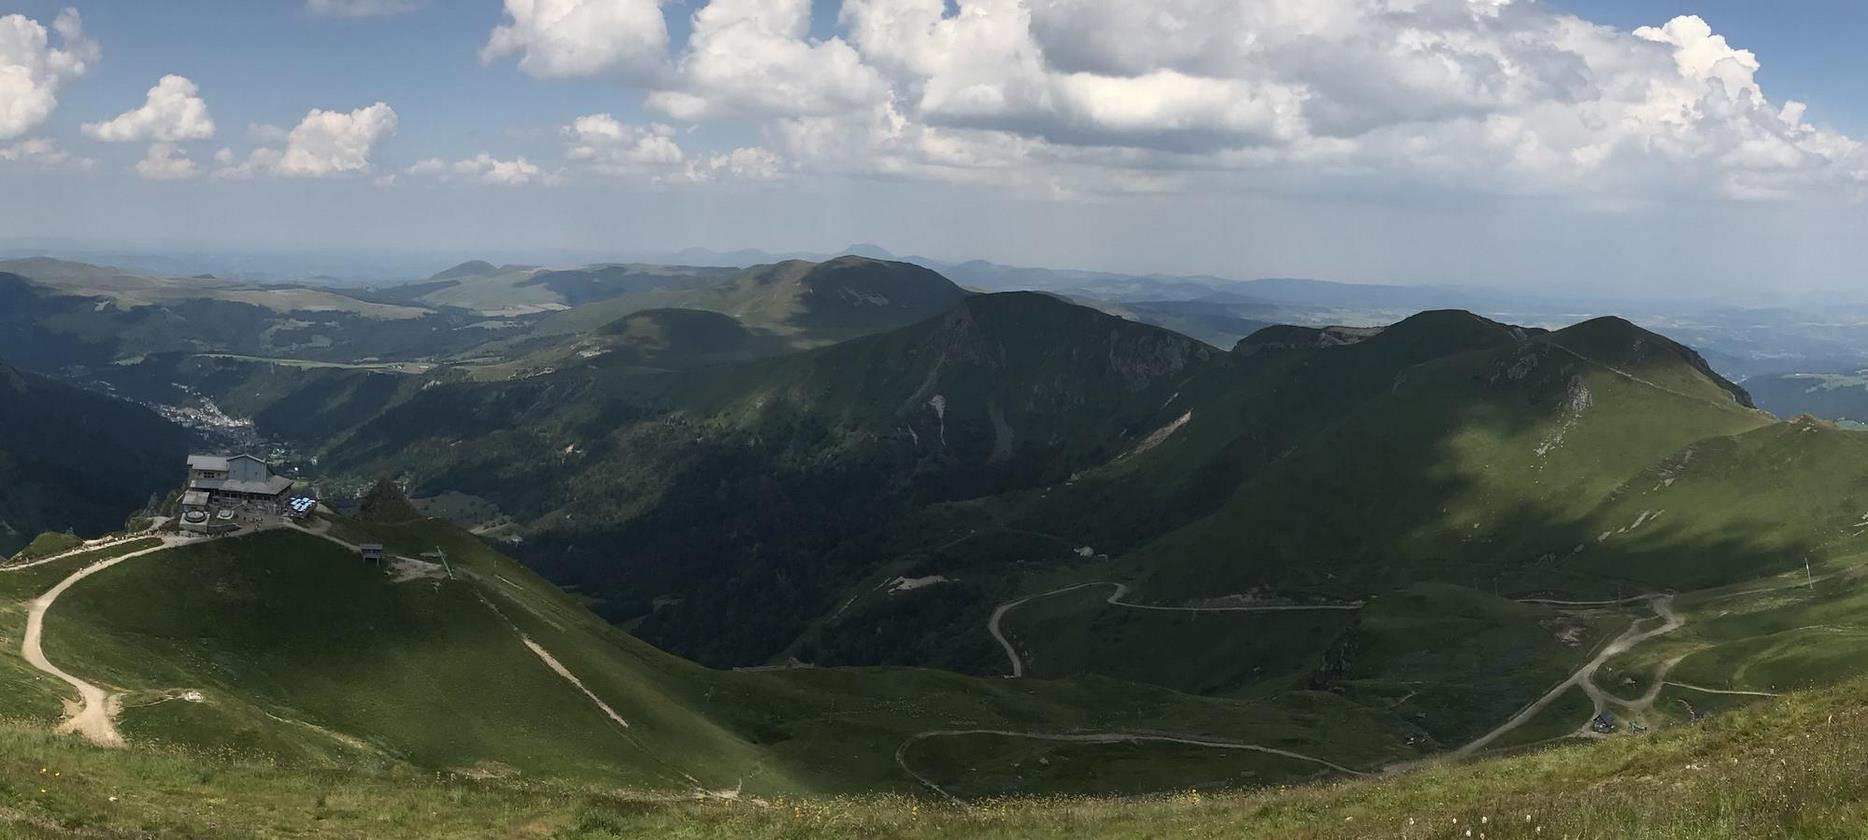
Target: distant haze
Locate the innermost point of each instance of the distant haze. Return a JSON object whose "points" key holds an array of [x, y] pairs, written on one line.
{"points": [[1574, 146]]}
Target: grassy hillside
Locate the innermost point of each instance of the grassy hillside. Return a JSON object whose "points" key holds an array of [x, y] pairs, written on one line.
{"points": [[651, 340], [505, 291], [813, 301], [56, 315], [71, 459], [1783, 769], [283, 649]]}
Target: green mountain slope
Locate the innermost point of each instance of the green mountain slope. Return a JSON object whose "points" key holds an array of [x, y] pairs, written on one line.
{"points": [[1436, 466], [71, 459], [650, 316], [56, 315], [1787, 767], [809, 303], [1420, 479], [783, 460], [650, 340], [284, 650], [506, 291]]}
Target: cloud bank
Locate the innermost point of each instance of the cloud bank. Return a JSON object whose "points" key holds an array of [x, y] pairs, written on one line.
{"points": [[1099, 95]]}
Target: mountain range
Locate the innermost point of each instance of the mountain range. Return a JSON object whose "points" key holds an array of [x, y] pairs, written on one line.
{"points": [[849, 527]]}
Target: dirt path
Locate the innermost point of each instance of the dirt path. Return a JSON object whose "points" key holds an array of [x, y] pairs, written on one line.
{"points": [[92, 715], [901, 753], [993, 624], [1704, 690], [565, 673], [87, 547], [1670, 621]]}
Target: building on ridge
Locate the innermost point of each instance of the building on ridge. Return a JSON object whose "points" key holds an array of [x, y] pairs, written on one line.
{"points": [[232, 480]]}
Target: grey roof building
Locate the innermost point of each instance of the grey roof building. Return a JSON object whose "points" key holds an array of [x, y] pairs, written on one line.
{"points": [[235, 477]]}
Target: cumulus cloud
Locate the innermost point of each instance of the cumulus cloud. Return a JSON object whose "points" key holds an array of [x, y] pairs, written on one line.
{"points": [[752, 57], [747, 163], [556, 39], [482, 168], [609, 146], [1453, 94], [600, 144], [333, 142], [44, 153], [360, 8], [31, 68], [323, 144], [166, 162], [172, 112]]}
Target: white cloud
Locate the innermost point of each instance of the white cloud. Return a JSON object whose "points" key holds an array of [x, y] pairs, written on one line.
{"points": [[333, 142], [360, 8], [557, 39], [600, 144], [611, 147], [260, 161], [748, 163], [752, 57], [172, 112], [483, 168], [324, 143], [166, 162], [45, 153], [31, 69], [1485, 95]]}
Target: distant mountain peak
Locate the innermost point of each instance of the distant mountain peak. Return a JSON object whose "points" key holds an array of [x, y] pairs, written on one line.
{"points": [[470, 268], [868, 249]]}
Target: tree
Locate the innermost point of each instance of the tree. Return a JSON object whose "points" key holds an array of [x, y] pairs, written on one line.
{"points": [[384, 502]]}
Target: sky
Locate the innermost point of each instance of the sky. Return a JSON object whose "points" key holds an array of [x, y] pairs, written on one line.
{"points": [[1667, 148]]}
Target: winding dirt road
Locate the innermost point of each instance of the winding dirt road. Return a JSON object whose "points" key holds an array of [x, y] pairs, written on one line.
{"points": [[1670, 621], [91, 716], [901, 753], [1115, 600]]}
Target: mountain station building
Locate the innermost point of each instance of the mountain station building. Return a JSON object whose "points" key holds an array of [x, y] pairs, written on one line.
{"points": [[232, 479]]}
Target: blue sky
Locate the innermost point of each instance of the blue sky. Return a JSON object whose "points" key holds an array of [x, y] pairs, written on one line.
{"points": [[1101, 138]]}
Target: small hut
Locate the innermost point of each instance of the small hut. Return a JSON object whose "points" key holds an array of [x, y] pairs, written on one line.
{"points": [[372, 552]]}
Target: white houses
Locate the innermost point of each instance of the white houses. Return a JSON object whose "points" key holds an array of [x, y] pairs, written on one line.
{"points": [[232, 479]]}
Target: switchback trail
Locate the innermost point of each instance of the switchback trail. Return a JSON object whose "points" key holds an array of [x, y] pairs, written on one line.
{"points": [[901, 753], [91, 715], [1670, 621], [1115, 600]]}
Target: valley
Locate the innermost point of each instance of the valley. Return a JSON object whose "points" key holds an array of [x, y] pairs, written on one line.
{"points": [[849, 530]]}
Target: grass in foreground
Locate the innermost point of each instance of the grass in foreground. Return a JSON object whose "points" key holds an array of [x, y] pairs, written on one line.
{"points": [[1789, 768]]}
